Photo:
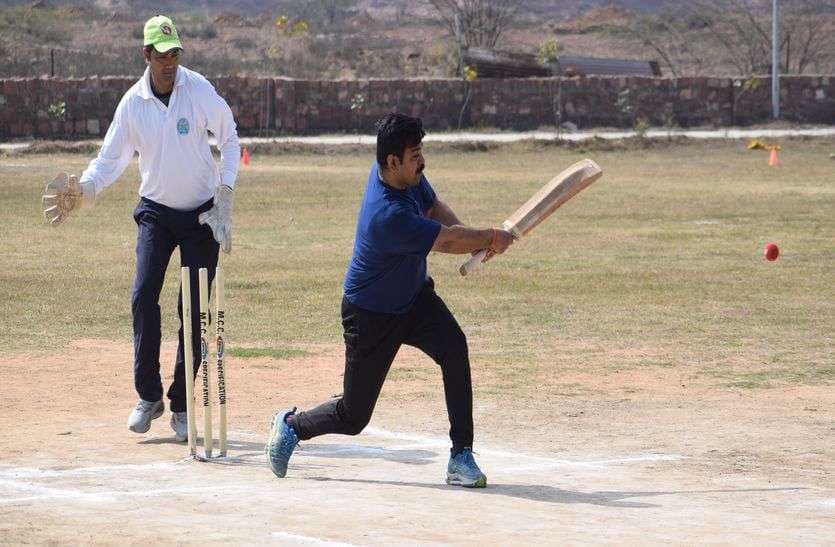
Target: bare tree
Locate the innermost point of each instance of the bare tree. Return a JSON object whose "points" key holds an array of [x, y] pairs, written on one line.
{"points": [[738, 32], [669, 36], [744, 29], [481, 21], [334, 8], [741, 29], [808, 35]]}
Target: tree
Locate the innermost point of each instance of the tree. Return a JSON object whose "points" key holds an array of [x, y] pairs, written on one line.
{"points": [[333, 9], [481, 21], [738, 32], [808, 40]]}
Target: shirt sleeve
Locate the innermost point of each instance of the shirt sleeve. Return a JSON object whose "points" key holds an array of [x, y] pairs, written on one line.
{"points": [[402, 231], [221, 122], [115, 154]]}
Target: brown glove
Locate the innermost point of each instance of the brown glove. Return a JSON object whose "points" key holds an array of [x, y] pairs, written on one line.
{"points": [[63, 195]]}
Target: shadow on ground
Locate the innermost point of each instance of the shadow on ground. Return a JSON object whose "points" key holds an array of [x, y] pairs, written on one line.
{"points": [[552, 494]]}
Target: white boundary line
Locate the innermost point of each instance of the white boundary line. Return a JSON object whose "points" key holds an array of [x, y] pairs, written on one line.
{"points": [[505, 137], [298, 539]]}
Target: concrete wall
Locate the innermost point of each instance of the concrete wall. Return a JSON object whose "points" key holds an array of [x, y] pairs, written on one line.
{"points": [[282, 106]]}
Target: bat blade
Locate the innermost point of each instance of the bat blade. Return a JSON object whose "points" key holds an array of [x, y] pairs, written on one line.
{"points": [[544, 202]]}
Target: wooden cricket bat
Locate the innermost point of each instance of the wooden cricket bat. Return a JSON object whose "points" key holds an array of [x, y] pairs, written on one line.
{"points": [[548, 199]]}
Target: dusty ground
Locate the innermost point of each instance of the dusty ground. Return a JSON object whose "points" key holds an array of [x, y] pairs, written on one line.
{"points": [[631, 458]]}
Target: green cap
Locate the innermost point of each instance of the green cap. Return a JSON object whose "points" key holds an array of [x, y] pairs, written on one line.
{"points": [[161, 33]]}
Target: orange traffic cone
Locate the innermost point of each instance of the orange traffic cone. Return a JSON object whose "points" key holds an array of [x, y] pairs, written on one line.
{"points": [[245, 157], [773, 161]]}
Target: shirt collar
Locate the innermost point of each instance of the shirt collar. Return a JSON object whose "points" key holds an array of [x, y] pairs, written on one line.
{"points": [[145, 90]]}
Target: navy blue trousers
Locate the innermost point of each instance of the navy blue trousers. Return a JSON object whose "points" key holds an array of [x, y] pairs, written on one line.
{"points": [[160, 231]]}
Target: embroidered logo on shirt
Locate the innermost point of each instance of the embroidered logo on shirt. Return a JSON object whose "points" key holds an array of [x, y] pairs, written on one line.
{"points": [[182, 126]]}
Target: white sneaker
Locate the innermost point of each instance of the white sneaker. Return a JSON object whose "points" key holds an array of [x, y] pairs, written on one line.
{"points": [[179, 423], [139, 420]]}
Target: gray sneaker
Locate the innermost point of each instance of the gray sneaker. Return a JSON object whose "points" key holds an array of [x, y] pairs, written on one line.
{"points": [[139, 420], [179, 423]]}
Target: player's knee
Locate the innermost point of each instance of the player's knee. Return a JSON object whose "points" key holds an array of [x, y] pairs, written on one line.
{"points": [[355, 423], [143, 296]]}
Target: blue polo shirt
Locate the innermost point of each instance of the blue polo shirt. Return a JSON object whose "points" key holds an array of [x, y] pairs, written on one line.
{"points": [[388, 266]]}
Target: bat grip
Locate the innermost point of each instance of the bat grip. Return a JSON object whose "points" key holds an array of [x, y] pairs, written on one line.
{"points": [[472, 263]]}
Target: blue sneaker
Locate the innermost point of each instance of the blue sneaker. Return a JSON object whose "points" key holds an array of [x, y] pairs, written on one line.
{"points": [[283, 440], [463, 471]]}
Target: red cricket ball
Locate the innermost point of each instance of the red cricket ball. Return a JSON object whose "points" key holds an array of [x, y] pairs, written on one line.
{"points": [[771, 252]]}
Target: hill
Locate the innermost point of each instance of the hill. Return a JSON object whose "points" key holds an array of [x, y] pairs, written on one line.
{"points": [[371, 38]]}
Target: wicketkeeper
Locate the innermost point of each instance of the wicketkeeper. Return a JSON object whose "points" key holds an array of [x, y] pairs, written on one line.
{"points": [[185, 201], [390, 300]]}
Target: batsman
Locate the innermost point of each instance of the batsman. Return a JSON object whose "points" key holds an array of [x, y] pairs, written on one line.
{"points": [[389, 300], [185, 201]]}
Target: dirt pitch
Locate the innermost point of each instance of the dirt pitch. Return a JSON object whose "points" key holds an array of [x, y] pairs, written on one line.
{"points": [[674, 462]]}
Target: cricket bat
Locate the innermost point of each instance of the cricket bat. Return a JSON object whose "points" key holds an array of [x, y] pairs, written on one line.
{"points": [[548, 199]]}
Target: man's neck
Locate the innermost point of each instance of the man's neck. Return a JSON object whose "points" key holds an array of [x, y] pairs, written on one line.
{"points": [[386, 177], [159, 90]]}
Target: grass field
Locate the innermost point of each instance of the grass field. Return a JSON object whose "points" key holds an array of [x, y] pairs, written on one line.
{"points": [[657, 265], [642, 375]]}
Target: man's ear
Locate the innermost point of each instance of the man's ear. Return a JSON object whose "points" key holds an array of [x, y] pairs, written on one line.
{"points": [[147, 55], [392, 161]]}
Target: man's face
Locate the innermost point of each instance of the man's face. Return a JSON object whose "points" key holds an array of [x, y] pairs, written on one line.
{"points": [[411, 168], [163, 67]]}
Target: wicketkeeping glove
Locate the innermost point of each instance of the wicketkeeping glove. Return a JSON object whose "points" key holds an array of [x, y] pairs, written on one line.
{"points": [[63, 195], [219, 218]]}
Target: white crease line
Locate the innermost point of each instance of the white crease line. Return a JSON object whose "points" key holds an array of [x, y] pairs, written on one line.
{"points": [[37, 472], [298, 539], [541, 460], [598, 463], [47, 492], [536, 462]]}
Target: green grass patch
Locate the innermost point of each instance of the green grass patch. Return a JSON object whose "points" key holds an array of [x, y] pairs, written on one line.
{"points": [[273, 353], [659, 264]]}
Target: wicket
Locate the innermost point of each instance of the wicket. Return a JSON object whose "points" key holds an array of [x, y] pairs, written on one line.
{"points": [[206, 368]]}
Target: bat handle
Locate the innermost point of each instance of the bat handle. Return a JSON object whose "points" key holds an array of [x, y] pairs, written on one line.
{"points": [[472, 263]]}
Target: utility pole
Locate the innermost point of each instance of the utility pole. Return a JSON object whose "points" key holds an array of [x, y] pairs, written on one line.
{"points": [[775, 61]]}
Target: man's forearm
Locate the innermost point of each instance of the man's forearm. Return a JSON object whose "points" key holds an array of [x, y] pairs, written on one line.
{"points": [[463, 239]]}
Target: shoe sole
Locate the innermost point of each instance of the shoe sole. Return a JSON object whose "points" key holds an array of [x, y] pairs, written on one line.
{"points": [[458, 480], [154, 416], [275, 433]]}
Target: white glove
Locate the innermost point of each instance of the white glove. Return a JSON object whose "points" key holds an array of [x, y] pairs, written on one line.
{"points": [[219, 218], [63, 195]]}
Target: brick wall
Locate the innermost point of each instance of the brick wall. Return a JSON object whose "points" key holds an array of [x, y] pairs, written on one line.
{"points": [[283, 106]]}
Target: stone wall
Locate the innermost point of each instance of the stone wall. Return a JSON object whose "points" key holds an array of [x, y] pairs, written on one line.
{"points": [[267, 106]]}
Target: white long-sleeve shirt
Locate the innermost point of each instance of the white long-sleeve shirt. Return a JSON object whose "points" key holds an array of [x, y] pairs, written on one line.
{"points": [[175, 160]]}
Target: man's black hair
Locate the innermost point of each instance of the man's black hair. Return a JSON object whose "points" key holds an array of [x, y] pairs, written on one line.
{"points": [[149, 49], [395, 132]]}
